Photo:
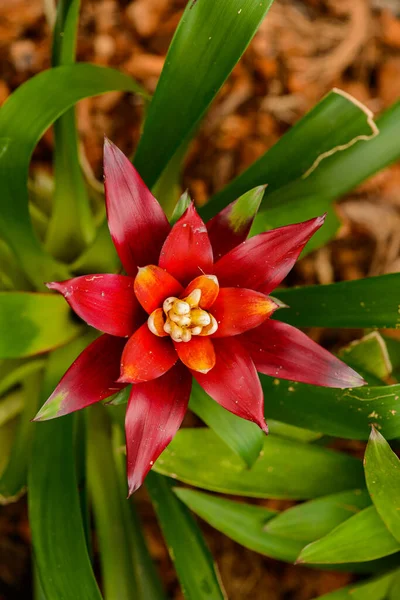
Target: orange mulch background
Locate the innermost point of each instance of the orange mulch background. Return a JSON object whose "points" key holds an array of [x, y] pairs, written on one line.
{"points": [[302, 49]]}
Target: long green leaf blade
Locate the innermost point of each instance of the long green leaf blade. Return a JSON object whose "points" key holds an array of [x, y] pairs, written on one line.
{"points": [[343, 413], [210, 39], [311, 520], [374, 589], [111, 526], [382, 472], [24, 118], [196, 570], [286, 469], [58, 536], [370, 302], [333, 123], [361, 538]]}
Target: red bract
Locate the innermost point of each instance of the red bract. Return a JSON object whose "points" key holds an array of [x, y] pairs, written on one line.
{"points": [[178, 314]]}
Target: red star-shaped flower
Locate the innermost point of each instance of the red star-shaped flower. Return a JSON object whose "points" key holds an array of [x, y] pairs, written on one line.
{"points": [[195, 303]]}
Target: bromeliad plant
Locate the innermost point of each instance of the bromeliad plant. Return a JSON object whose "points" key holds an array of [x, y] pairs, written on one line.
{"points": [[188, 325], [205, 291]]}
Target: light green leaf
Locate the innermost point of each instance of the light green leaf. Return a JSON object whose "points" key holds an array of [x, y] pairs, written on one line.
{"points": [[369, 354], [292, 432], [14, 371], [193, 562], [382, 473], [345, 413], [369, 302], [57, 532], [373, 589], [286, 469], [311, 520], [243, 437], [24, 118], [32, 323], [11, 405], [209, 40], [361, 538]]}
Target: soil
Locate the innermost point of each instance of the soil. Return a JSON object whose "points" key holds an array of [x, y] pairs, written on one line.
{"points": [[302, 49]]}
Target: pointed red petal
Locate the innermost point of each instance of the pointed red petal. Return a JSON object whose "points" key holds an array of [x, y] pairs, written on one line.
{"points": [[209, 287], [198, 354], [187, 251], [231, 226], [105, 302], [153, 285], [264, 260], [154, 414], [234, 383], [282, 351], [137, 223], [91, 378], [239, 309], [146, 356]]}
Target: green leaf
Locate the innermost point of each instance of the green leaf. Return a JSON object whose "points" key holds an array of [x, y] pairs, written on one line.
{"points": [[286, 469], [393, 348], [24, 118], [100, 256], [369, 302], [369, 354], [345, 413], [292, 432], [243, 437], [311, 520], [32, 323], [334, 122], [244, 523], [182, 204], [58, 536], [111, 525], [71, 225], [374, 589], [361, 538], [14, 476], [382, 473], [14, 371], [209, 40], [11, 405], [193, 562]]}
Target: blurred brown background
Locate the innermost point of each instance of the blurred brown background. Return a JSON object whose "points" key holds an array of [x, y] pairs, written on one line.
{"points": [[302, 50]]}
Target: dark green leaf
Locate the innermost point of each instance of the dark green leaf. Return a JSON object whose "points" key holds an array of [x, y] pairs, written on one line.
{"points": [[286, 469], [243, 437], [382, 472], [193, 562], [13, 479], [210, 39], [370, 302], [58, 537], [335, 121], [343, 413], [32, 323], [25, 116], [363, 537], [71, 225], [111, 525]]}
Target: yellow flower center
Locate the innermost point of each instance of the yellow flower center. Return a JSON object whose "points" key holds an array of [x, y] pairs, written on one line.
{"points": [[182, 318]]}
